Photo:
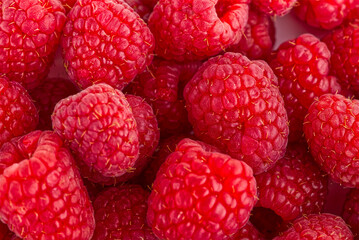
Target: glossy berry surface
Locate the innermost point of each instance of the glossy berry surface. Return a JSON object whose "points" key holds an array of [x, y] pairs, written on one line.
{"points": [[42, 194], [105, 41], [120, 213], [100, 129], [188, 30], [302, 67], [331, 129], [199, 194], [274, 7], [29, 35], [234, 104], [18, 114]]}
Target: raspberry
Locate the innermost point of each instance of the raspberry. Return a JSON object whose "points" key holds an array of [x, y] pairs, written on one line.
{"points": [[120, 213], [316, 227], [162, 86], [351, 211], [45, 97], [233, 104], [326, 14], [199, 194], [302, 67], [42, 195], [331, 129], [343, 44], [187, 30], [100, 129], [18, 114], [105, 41], [258, 37], [29, 36], [248, 232], [294, 186], [148, 136], [274, 7]]}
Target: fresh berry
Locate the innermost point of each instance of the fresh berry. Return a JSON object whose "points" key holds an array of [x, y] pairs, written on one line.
{"points": [[162, 86], [317, 227], [18, 114], [199, 194], [354, 11], [326, 14], [343, 44], [187, 30], [258, 37], [42, 195], [120, 213], [248, 232], [294, 186], [100, 129], [302, 67], [274, 7], [351, 211], [233, 103], [45, 97], [105, 42], [29, 36], [331, 129]]}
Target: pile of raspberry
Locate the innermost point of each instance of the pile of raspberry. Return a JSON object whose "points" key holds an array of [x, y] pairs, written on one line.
{"points": [[179, 119]]}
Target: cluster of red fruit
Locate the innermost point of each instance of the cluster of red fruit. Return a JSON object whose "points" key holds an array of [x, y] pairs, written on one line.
{"points": [[250, 137]]}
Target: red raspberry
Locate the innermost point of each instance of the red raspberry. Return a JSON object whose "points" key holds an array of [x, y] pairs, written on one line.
{"points": [[45, 96], [294, 186], [120, 213], [351, 211], [42, 195], [317, 227], [331, 130], [354, 11], [302, 67], [105, 41], [199, 194], [248, 232], [343, 44], [162, 86], [18, 114], [29, 36], [233, 103], [258, 37], [274, 7], [148, 136], [326, 14], [99, 126], [187, 30]]}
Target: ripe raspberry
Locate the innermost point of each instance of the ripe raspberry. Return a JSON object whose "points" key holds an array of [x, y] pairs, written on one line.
{"points": [[199, 194], [316, 227], [294, 186], [275, 7], [162, 86], [99, 126], [258, 37], [354, 11], [233, 104], [29, 36], [148, 136], [105, 41], [187, 30], [120, 213], [351, 211], [302, 67], [18, 114], [331, 130], [248, 232], [326, 14], [45, 97], [42, 195], [343, 44]]}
